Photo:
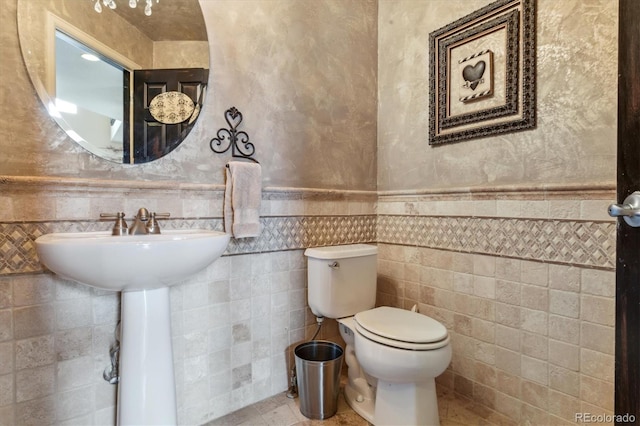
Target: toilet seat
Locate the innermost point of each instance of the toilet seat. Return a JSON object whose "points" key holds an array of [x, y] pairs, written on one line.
{"points": [[401, 329]]}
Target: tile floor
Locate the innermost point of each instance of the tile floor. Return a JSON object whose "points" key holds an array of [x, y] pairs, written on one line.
{"points": [[282, 411]]}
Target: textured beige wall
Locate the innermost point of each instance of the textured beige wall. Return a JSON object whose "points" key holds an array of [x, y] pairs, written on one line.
{"points": [[574, 141], [181, 54], [303, 73]]}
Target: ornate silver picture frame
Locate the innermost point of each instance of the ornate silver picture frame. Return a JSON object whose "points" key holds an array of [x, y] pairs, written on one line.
{"points": [[483, 73]]}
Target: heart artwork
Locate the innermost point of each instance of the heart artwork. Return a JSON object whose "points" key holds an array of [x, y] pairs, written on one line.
{"points": [[473, 74]]}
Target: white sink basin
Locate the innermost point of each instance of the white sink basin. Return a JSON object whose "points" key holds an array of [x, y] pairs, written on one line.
{"points": [[130, 262]]}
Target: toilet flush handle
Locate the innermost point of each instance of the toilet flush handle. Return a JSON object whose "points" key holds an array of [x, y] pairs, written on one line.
{"points": [[334, 265]]}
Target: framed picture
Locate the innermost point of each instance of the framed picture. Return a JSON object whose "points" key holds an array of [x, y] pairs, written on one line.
{"points": [[482, 80]]}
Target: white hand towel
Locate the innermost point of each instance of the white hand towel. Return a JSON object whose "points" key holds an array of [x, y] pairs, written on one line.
{"points": [[242, 196]]}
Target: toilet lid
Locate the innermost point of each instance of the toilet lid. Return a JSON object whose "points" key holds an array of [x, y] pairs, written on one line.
{"points": [[393, 324]]}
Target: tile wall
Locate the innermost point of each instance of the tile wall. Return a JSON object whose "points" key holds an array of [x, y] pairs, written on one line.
{"points": [[234, 325], [524, 281], [532, 339]]}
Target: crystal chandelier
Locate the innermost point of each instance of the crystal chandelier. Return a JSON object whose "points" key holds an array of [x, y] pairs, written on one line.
{"points": [[111, 4]]}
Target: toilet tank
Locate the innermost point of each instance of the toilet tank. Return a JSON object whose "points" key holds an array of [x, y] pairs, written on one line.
{"points": [[341, 279]]}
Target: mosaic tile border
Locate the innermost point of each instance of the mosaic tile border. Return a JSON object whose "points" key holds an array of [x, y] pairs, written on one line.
{"points": [[18, 254], [589, 244]]}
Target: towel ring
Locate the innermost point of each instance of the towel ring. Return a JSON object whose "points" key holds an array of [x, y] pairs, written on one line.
{"points": [[237, 141]]}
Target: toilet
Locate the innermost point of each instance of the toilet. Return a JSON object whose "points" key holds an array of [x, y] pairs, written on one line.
{"points": [[393, 355]]}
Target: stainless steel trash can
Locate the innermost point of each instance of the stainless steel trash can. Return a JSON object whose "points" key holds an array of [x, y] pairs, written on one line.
{"points": [[318, 367]]}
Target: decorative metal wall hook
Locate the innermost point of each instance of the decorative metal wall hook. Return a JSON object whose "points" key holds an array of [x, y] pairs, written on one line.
{"points": [[232, 139]]}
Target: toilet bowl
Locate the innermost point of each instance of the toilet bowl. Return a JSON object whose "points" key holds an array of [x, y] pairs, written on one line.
{"points": [[393, 355]]}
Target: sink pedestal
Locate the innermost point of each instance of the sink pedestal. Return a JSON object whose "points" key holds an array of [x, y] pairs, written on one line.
{"points": [[146, 391], [142, 267]]}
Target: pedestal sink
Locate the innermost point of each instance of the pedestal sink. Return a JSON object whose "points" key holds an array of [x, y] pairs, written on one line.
{"points": [[142, 267]]}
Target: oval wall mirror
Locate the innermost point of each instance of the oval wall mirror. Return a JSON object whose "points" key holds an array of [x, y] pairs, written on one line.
{"points": [[98, 73]]}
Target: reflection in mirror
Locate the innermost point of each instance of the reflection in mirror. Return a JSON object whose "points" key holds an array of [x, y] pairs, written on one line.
{"points": [[89, 96], [172, 38]]}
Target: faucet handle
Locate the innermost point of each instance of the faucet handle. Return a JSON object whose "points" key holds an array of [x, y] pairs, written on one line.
{"points": [[152, 225], [120, 227]]}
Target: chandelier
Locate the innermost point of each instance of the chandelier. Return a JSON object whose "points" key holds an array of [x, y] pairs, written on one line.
{"points": [[111, 4]]}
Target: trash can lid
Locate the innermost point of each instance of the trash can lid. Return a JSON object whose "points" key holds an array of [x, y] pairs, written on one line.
{"points": [[402, 325]]}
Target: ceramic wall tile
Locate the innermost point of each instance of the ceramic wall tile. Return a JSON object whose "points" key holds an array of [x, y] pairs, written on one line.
{"points": [[549, 326], [598, 337]]}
